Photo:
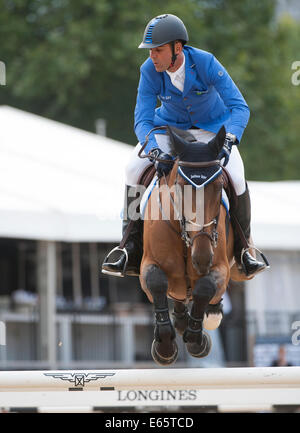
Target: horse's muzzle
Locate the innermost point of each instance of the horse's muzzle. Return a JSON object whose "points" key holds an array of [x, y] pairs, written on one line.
{"points": [[202, 263]]}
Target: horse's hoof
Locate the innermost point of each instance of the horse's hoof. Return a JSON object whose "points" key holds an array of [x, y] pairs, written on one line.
{"points": [[200, 350], [161, 360], [213, 316], [212, 321]]}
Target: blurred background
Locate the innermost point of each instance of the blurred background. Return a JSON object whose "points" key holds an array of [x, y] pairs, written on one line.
{"points": [[69, 75]]}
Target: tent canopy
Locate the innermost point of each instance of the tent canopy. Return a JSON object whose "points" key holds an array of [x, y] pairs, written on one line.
{"points": [[58, 182]]}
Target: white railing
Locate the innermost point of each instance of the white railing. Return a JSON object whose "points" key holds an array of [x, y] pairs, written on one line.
{"points": [[258, 387]]}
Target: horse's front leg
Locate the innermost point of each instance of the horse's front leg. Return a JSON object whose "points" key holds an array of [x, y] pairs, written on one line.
{"points": [[198, 343], [164, 347]]}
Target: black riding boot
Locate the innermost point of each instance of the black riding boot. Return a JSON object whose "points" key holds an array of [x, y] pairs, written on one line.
{"points": [[127, 258], [242, 255]]}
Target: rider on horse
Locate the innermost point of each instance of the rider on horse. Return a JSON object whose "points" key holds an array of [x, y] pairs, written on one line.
{"points": [[196, 94]]}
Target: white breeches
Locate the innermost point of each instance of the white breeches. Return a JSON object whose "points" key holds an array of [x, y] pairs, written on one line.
{"points": [[235, 166]]}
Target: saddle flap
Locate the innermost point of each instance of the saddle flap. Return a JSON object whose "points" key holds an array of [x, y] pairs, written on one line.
{"points": [[147, 176]]}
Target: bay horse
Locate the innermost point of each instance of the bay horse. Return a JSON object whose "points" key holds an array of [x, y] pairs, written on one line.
{"points": [[184, 260]]}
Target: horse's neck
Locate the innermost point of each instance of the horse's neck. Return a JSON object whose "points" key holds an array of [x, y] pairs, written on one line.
{"points": [[172, 178]]}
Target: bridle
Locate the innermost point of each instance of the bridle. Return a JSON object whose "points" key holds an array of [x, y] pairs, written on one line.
{"points": [[183, 221], [183, 233]]}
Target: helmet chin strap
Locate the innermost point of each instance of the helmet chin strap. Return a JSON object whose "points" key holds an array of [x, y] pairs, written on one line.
{"points": [[174, 56]]}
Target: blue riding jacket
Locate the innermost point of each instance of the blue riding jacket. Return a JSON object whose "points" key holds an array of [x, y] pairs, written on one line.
{"points": [[209, 99]]}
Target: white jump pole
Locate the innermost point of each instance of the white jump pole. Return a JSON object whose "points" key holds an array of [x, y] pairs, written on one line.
{"points": [[147, 379]]}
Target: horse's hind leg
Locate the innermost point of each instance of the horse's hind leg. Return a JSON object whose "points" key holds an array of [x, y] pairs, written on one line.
{"points": [[164, 348], [180, 317], [198, 343], [213, 316]]}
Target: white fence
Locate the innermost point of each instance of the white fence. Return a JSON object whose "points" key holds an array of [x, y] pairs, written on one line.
{"points": [[228, 389]]}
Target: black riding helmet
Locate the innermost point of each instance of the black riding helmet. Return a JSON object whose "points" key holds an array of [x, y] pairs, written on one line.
{"points": [[162, 30]]}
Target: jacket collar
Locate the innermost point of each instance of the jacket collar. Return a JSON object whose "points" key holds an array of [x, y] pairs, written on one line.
{"points": [[190, 74]]}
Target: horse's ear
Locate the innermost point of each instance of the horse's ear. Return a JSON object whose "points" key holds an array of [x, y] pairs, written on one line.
{"points": [[177, 144], [217, 142]]}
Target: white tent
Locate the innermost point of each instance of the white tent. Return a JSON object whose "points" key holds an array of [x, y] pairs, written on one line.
{"points": [[58, 182], [276, 214]]}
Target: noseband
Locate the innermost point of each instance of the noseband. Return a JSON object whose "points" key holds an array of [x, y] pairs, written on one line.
{"points": [[213, 236]]}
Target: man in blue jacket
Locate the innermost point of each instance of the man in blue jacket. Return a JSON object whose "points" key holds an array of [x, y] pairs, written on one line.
{"points": [[196, 94]]}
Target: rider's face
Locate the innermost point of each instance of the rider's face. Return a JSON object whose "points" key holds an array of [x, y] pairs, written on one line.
{"points": [[161, 57]]}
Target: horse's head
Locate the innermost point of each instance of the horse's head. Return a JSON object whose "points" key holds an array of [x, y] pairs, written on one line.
{"points": [[198, 171]]}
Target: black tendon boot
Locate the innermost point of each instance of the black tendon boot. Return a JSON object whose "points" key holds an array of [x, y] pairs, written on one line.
{"points": [[126, 259], [242, 215]]}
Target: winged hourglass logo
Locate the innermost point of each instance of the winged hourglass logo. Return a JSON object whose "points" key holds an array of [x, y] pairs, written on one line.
{"points": [[79, 379]]}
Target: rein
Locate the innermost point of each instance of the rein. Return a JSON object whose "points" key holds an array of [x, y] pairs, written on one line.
{"points": [[171, 161]]}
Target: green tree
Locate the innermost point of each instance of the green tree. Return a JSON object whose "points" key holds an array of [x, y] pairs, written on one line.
{"points": [[258, 52], [77, 61]]}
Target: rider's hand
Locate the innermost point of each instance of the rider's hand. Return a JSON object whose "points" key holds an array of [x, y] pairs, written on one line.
{"points": [[155, 152], [161, 167], [226, 149]]}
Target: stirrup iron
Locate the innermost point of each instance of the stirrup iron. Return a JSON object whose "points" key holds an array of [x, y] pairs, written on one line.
{"points": [[116, 274], [259, 251]]}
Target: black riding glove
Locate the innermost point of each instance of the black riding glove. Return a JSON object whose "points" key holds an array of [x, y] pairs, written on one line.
{"points": [[230, 140], [161, 167]]}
